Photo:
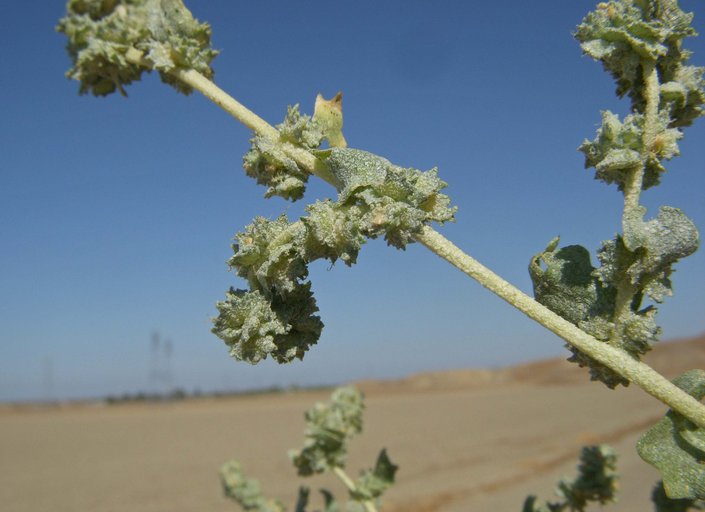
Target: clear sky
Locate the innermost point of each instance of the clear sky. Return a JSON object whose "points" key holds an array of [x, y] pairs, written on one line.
{"points": [[116, 215]]}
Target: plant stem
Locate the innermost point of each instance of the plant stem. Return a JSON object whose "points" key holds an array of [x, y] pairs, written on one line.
{"points": [[210, 90], [340, 473], [634, 184], [617, 360]]}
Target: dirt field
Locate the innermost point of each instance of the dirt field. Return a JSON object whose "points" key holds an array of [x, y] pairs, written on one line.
{"points": [[464, 441]]}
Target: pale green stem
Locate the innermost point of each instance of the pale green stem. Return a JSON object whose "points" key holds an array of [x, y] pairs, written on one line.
{"points": [[634, 184], [240, 112], [340, 473], [617, 360]]}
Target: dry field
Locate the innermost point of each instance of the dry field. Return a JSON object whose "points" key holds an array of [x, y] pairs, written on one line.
{"points": [[464, 440]]}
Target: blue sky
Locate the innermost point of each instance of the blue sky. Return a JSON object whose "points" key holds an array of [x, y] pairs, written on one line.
{"points": [[117, 214]]}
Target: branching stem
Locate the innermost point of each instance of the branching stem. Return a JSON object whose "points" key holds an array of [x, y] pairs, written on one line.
{"points": [[340, 473], [617, 360], [634, 184], [210, 90]]}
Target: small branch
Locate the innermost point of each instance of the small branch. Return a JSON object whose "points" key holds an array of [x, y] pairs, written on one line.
{"points": [[340, 473], [617, 360], [210, 90]]}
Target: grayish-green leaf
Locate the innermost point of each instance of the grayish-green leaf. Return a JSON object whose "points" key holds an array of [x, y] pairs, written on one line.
{"points": [[374, 482], [658, 244], [676, 446]]}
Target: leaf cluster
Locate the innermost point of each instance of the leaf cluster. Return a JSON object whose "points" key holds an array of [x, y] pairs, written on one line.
{"points": [[629, 37], [565, 281], [596, 482], [626, 36], [276, 316], [622, 34], [329, 428], [102, 32]]}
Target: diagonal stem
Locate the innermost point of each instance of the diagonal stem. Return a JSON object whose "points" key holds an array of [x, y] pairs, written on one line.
{"points": [[619, 361], [210, 90]]}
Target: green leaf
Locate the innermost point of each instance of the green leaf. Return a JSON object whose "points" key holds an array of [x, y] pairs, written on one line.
{"points": [[658, 243], [374, 482], [329, 502], [396, 202], [676, 446], [563, 281], [302, 499]]}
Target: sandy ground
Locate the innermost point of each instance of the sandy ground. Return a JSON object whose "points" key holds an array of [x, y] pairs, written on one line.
{"points": [[464, 441]]}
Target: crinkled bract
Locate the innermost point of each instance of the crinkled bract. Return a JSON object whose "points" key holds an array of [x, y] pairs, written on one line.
{"points": [[334, 231], [621, 34], [617, 150], [247, 324], [375, 482], [254, 326], [271, 254], [100, 33], [269, 164], [659, 243], [396, 201]]}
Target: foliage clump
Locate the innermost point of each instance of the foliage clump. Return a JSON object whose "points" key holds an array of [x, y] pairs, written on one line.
{"points": [[102, 32], [596, 482], [329, 428], [276, 316], [270, 165], [640, 43]]}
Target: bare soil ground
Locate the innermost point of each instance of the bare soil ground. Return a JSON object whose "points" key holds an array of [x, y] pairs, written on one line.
{"points": [[465, 440]]}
